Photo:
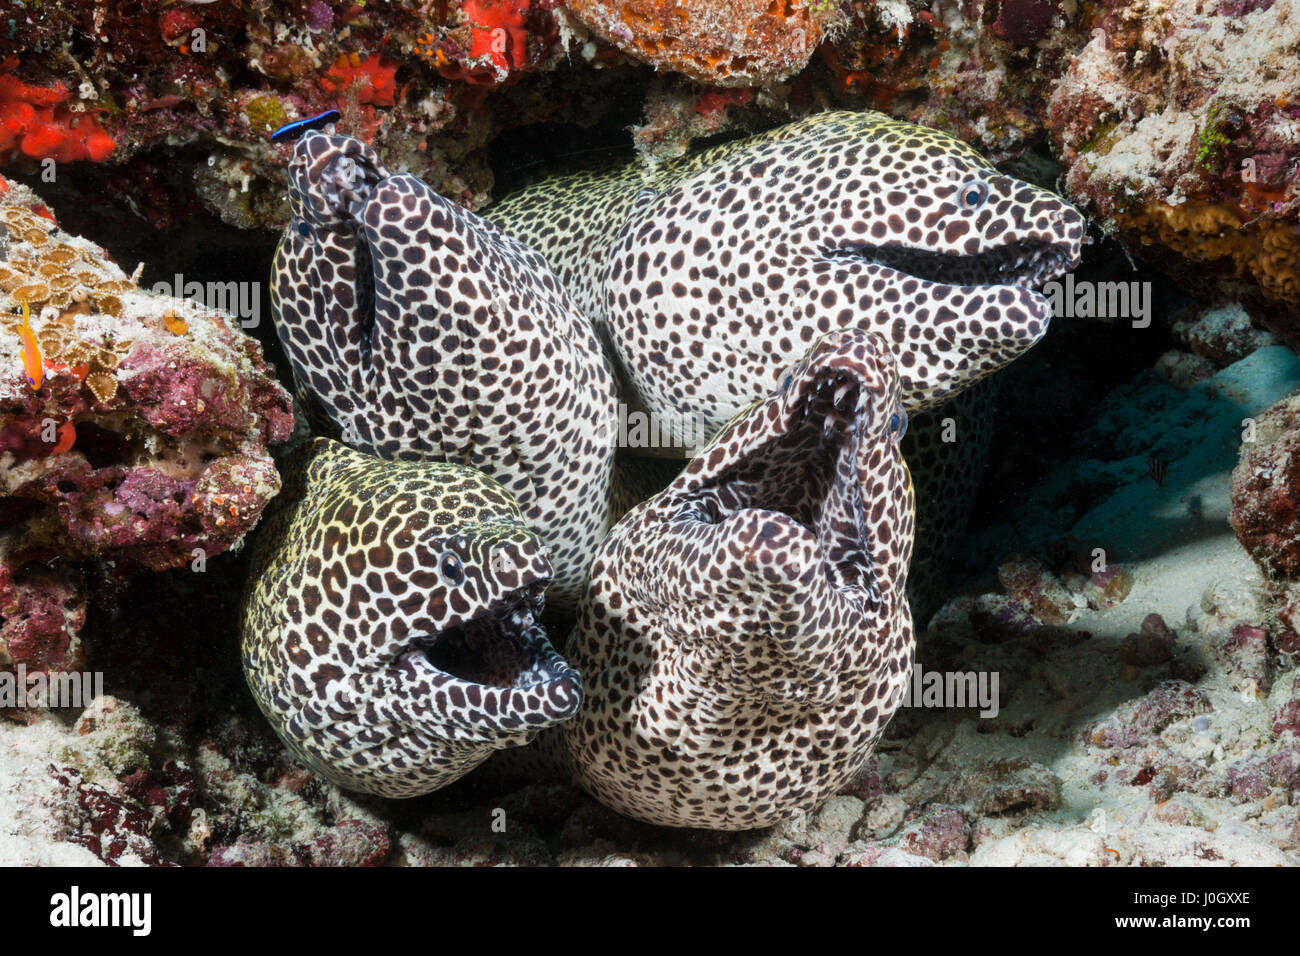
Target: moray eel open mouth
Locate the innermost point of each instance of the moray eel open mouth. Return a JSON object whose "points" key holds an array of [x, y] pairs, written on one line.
{"points": [[812, 474], [815, 465], [745, 635], [391, 634], [331, 178], [503, 646], [496, 658]]}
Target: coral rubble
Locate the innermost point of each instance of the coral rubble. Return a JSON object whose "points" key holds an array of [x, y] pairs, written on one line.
{"points": [[1266, 489]]}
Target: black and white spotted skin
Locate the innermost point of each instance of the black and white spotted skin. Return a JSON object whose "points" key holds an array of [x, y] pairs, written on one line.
{"points": [[726, 265], [427, 334], [390, 632], [794, 529], [745, 637], [711, 274]]}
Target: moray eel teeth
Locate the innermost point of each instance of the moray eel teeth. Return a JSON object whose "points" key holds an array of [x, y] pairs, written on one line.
{"points": [[820, 425], [500, 646], [390, 633], [745, 638]]}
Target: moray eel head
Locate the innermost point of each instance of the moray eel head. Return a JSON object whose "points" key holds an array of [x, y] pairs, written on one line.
{"points": [[330, 178], [810, 467], [391, 635], [745, 632], [838, 221]]}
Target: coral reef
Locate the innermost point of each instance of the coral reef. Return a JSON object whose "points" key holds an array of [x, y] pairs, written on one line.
{"points": [[1148, 653], [1179, 123], [38, 121], [1147, 710], [133, 431], [1175, 121]]}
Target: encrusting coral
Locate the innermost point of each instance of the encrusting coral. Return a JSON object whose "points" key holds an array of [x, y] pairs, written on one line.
{"points": [[38, 121], [1197, 162], [718, 42], [1266, 490]]}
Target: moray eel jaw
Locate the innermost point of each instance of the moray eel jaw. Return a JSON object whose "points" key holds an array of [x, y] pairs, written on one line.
{"points": [[744, 636], [499, 656], [330, 178], [1022, 264], [807, 467], [465, 652]]}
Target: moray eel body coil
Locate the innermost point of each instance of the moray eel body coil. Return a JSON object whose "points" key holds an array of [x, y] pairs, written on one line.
{"points": [[390, 632], [745, 637], [424, 333]]}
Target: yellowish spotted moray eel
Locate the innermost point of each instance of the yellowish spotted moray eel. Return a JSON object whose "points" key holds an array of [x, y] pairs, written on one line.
{"points": [[390, 632]]}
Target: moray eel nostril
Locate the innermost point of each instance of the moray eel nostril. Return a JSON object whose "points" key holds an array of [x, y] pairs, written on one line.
{"points": [[380, 670]]}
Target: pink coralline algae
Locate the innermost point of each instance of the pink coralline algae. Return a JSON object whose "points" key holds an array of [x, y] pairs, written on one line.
{"points": [[108, 825], [349, 843], [42, 613], [1005, 786], [1286, 720], [1136, 721], [1245, 651], [1024, 22], [938, 833]]}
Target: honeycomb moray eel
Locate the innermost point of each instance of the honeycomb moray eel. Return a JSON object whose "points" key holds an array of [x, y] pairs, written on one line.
{"points": [[390, 633], [717, 274], [712, 274], [424, 333], [745, 638]]}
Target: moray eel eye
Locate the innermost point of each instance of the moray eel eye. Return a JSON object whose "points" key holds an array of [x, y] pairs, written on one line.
{"points": [[972, 194], [898, 423], [451, 567]]}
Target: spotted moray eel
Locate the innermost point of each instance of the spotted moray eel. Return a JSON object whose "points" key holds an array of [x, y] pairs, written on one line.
{"points": [[711, 275], [745, 637], [905, 232], [424, 333], [390, 632]]}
